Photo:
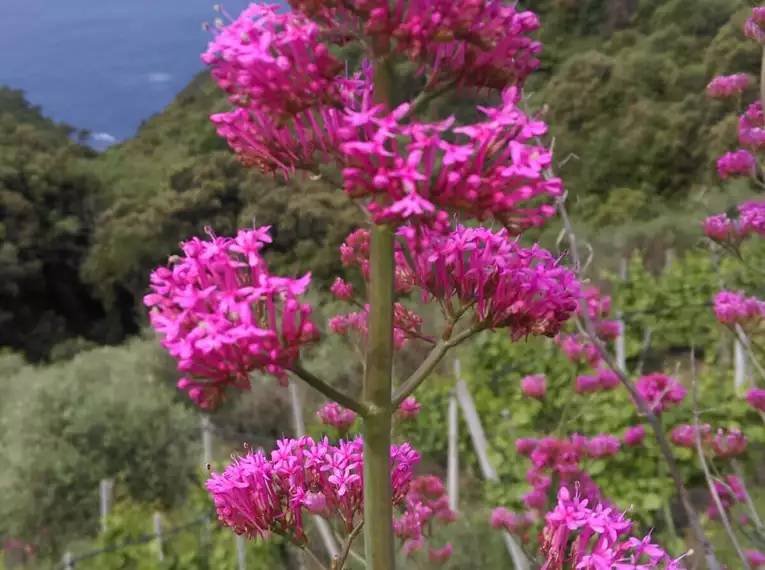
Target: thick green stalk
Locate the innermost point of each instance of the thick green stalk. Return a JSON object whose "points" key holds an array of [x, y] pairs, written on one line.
{"points": [[378, 507], [378, 380]]}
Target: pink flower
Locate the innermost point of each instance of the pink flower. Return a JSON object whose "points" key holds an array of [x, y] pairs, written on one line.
{"points": [[756, 399], [524, 290], [728, 444], [755, 558], [753, 28], [735, 308], [342, 290], [594, 537], [409, 408], [440, 555], [426, 503], [607, 378], [256, 495], [634, 435], [222, 315], [526, 446], [603, 446], [728, 85], [335, 415], [739, 163], [535, 499], [534, 386], [502, 518], [685, 435], [587, 384], [660, 391]]}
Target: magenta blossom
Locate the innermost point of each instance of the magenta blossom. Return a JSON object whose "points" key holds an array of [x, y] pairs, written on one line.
{"points": [[581, 535], [739, 163], [256, 496], [735, 308], [660, 391], [756, 399], [223, 316], [409, 408], [728, 85], [755, 558], [534, 386], [727, 444], [335, 415], [634, 435]]}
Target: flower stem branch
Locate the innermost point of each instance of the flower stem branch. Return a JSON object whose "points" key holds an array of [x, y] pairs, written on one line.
{"points": [[328, 390], [428, 365], [643, 408], [339, 560], [705, 467]]}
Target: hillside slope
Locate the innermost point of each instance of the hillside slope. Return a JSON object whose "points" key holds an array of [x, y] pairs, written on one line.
{"points": [[623, 82]]}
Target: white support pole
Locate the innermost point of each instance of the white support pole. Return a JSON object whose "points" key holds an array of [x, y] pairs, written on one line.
{"points": [[453, 466], [106, 500], [241, 553], [68, 561], [158, 534], [207, 442], [741, 372], [481, 448], [297, 414]]}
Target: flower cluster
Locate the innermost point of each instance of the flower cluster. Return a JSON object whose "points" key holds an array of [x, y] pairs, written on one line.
{"points": [[507, 286], [750, 221], [425, 505], [475, 43], [534, 386], [525, 290], [409, 408], [753, 27], [660, 392], [559, 458], [223, 316], [580, 533], [756, 399], [579, 348], [514, 523], [722, 443], [728, 85], [335, 415], [737, 309], [297, 108], [256, 495]]}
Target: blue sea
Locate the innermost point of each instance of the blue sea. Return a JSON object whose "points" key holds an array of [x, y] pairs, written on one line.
{"points": [[103, 65]]}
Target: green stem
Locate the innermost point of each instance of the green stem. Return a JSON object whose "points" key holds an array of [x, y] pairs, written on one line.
{"points": [[428, 365], [378, 382], [328, 390], [378, 371]]}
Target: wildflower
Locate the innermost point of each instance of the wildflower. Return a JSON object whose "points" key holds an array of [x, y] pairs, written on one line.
{"points": [[735, 308], [685, 435], [440, 555], [502, 518], [409, 408], [222, 315], [739, 163], [525, 446], [756, 399], [256, 495], [728, 85], [534, 386], [660, 391], [755, 558], [333, 414], [603, 446], [592, 536], [634, 435], [728, 444]]}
